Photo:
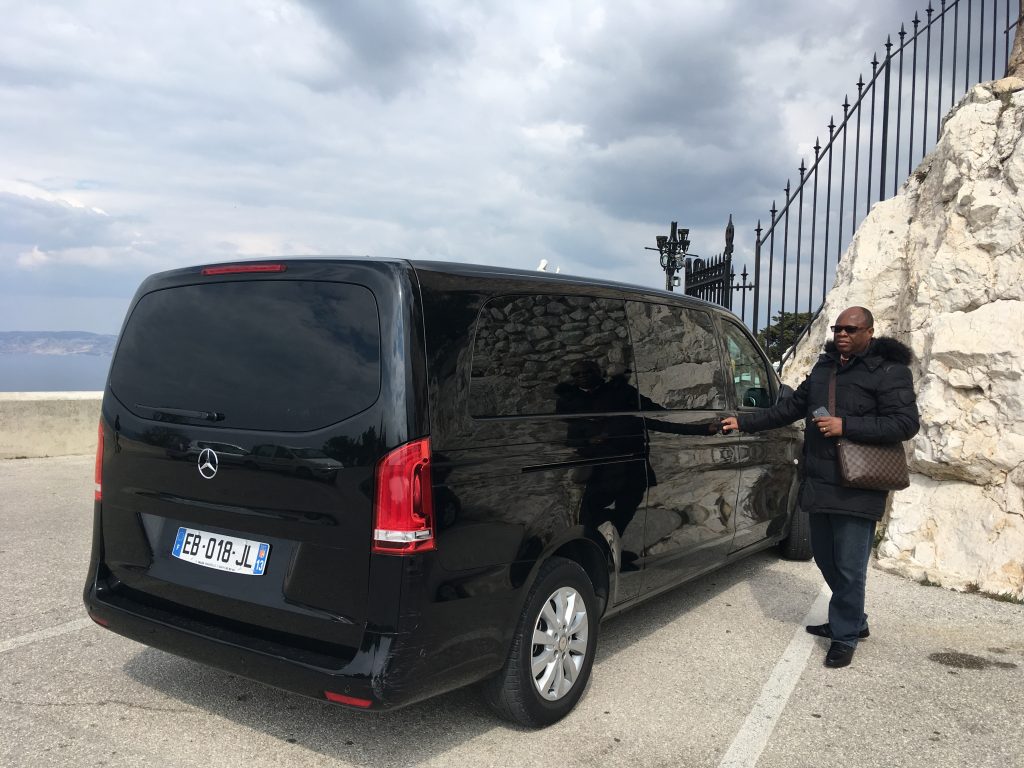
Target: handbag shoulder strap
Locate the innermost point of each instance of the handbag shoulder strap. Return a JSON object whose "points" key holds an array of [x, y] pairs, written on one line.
{"points": [[832, 392]]}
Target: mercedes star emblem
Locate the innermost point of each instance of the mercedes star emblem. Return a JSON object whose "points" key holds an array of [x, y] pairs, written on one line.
{"points": [[208, 463]]}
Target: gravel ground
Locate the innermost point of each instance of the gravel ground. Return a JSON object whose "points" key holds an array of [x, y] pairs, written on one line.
{"points": [[939, 683]]}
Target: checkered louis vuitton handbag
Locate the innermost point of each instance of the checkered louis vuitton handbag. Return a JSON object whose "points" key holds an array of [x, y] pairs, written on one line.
{"points": [[875, 466]]}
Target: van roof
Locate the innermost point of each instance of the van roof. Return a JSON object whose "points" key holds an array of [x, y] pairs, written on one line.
{"points": [[479, 271], [551, 278]]}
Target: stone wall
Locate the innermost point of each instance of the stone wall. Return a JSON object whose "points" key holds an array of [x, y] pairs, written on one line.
{"points": [[942, 267]]}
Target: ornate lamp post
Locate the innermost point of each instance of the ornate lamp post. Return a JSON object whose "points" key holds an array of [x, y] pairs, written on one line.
{"points": [[672, 252]]}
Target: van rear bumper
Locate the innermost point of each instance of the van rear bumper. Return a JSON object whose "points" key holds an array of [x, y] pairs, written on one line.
{"points": [[386, 671], [353, 672]]}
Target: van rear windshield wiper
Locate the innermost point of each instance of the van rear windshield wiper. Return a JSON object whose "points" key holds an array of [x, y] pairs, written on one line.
{"points": [[161, 411]]}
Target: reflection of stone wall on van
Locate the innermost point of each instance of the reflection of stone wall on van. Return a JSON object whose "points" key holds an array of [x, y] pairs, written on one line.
{"points": [[678, 362], [709, 507], [526, 345], [549, 503]]}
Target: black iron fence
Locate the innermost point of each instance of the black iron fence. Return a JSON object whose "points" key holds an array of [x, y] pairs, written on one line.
{"points": [[893, 120], [712, 279]]}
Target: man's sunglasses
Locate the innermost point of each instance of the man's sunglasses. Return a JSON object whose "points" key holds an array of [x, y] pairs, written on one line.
{"points": [[848, 329]]}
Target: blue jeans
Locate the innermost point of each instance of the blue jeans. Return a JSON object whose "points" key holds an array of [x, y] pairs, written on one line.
{"points": [[842, 545]]}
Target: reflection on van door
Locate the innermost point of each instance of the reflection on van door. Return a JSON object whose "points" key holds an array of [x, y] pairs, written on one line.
{"points": [[555, 435], [692, 467], [768, 458]]}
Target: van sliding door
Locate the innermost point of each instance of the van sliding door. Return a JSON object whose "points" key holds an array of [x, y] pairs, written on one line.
{"points": [[693, 480], [546, 436]]}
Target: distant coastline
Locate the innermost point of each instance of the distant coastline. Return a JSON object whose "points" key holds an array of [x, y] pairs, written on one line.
{"points": [[54, 361], [56, 343]]}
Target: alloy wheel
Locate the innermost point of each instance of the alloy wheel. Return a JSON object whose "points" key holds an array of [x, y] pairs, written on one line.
{"points": [[559, 643]]}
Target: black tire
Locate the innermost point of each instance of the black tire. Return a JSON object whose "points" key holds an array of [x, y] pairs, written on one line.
{"points": [[797, 546], [514, 694]]}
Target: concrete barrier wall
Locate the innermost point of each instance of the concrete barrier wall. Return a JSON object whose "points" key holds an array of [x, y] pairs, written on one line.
{"points": [[34, 424]]}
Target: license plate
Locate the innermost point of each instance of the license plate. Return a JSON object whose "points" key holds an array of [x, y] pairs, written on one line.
{"points": [[225, 553]]}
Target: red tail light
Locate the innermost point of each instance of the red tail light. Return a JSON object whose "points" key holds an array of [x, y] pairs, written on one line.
{"points": [[99, 463], [403, 510], [234, 269], [352, 701]]}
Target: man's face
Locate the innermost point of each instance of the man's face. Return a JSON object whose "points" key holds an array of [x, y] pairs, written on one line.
{"points": [[853, 335], [586, 375]]}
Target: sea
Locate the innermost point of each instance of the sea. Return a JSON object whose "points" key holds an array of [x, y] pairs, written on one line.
{"points": [[53, 373]]}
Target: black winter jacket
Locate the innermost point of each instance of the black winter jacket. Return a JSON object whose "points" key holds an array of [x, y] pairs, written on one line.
{"points": [[875, 398]]}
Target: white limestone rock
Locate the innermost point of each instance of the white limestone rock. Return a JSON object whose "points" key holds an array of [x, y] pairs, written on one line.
{"points": [[955, 534], [942, 267]]}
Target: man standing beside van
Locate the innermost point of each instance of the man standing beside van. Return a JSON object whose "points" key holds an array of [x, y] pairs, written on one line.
{"points": [[874, 403]]}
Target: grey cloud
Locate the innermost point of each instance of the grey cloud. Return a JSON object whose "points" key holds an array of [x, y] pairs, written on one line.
{"points": [[685, 97], [714, 139], [16, 75], [682, 90], [390, 46], [71, 280], [26, 221], [85, 253]]}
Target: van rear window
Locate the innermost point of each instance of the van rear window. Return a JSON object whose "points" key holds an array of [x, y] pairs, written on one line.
{"points": [[274, 355]]}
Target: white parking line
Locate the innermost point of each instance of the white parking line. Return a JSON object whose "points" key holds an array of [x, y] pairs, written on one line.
{"points": [[753, 736], [44, 634]]}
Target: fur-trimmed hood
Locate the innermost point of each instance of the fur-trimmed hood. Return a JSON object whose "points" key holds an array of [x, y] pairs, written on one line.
{"points": [[883, 347]]}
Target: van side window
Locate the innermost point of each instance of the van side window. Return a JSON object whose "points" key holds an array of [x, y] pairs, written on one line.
{"points": [[677, 357], [749, 373], [545, 354]]}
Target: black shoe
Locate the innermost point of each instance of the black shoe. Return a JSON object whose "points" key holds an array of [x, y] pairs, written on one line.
{"points": [[839, 655], [824, 630]]}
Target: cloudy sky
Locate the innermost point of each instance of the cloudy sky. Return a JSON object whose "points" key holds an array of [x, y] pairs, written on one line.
{"points": [[136, 137]]}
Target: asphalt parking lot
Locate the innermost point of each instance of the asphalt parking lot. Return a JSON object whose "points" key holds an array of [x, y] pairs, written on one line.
{"points": [[717, 673]]}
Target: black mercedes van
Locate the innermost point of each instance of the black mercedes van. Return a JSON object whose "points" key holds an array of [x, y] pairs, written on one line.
{"points": [[372, 481]]}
